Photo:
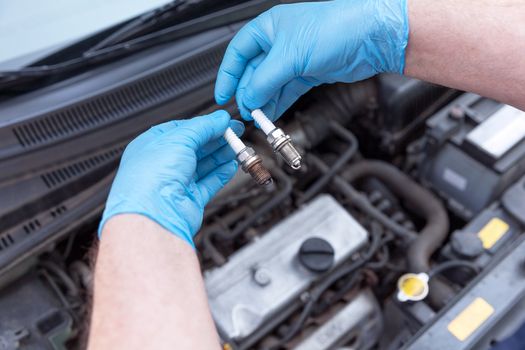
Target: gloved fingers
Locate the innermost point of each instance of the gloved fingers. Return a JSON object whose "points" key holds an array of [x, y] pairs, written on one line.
{"points": [[269, 108], [237, 127], [245, 79], [211, 162], [249, 42], [281, 101], [215, 181], [151, 134], [199, 131], [160, 129], [269, 77], [289, 94]]}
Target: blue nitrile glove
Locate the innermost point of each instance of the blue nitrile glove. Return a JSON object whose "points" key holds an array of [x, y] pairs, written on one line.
{"points": [[284, 52], [170, 172]]}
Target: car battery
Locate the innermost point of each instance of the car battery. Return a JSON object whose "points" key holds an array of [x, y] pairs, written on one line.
{"points": [[475, 149]]}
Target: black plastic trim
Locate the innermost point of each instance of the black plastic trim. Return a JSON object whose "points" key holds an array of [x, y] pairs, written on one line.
{"points": [[95, 108]]}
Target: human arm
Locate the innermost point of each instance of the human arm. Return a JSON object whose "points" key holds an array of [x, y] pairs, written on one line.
{"points": [[149, 292], [284, 52], [148, 289], [476, 46]]}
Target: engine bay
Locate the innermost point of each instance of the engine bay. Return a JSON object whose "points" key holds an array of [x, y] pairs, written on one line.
{"points": [[291, 282], [404, 223]]}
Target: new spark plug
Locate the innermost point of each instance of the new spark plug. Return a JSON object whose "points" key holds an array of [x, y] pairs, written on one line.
{"points": [[280, 142], [250, 162]]}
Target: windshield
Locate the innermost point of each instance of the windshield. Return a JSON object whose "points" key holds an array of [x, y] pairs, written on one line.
{"points": [[81, 39], [30, 29]]}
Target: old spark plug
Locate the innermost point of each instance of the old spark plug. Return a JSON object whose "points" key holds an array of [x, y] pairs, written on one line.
{"points": [[250, 162], [280, 142]]}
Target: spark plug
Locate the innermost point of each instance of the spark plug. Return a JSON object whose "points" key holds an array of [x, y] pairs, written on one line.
{"points": [[250, 162], [280, 142]]}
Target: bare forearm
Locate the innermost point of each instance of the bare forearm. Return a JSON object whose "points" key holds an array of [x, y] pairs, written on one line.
{"points": [[148, 291], [475, 46]]}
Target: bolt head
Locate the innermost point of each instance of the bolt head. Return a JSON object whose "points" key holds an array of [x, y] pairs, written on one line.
{"points": [[245, 155], [277, 139], [275, 134], [262, 277], [457, 112]]}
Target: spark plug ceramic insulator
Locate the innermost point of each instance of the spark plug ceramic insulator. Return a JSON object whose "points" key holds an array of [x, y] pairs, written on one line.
{"points": [[250, 162], [280, 142]]}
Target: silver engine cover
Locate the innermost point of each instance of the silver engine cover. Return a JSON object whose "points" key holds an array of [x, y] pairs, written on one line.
{"points": [[264, 276], [360, 322]]}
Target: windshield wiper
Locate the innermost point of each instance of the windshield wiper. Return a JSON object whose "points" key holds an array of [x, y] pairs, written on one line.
{"points": [[144, 21], [116, 46], [94, 54]]}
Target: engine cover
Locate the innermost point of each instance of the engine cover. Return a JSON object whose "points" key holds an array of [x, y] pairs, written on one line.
{"points": [[266, 275], [360, 321]]}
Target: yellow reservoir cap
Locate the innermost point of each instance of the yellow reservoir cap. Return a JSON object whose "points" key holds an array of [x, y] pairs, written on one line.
{"points": [[412, 287]]}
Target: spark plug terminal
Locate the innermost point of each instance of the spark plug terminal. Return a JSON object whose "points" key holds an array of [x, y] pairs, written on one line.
{"points": [[280, 142], [250, 162]]}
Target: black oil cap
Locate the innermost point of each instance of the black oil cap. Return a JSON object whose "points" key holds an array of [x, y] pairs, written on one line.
{"points": [[316, 254], [466, 244]]}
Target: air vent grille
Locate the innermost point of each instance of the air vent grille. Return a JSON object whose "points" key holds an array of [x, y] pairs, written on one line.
{"points": [[6, 240], [98, 111], [56, 212], [61, 175], [32, 226]]}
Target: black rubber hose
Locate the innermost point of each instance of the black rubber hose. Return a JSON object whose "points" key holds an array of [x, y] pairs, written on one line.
{"points": [[282, 194], [451, 264], [419, 199], [208, 234], [361, 202], [338, 165], [55, 269], [424, 204], [337, 102]]}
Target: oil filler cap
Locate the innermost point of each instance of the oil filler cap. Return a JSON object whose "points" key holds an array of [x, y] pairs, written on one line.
{"points": [[316, 254]]}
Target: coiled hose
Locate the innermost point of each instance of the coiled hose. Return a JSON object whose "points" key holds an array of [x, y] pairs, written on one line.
{"points": [[424, 204]]}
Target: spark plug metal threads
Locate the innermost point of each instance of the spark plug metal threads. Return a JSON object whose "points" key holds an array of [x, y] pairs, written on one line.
{"points": [[250, 162], [280, 142]]}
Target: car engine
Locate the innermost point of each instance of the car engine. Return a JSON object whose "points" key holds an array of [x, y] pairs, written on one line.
{"points": [[402, 229], [318, 260]]}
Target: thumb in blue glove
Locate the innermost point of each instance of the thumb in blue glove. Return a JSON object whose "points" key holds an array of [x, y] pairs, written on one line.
{"points": [[284, 52], [170, 172]]}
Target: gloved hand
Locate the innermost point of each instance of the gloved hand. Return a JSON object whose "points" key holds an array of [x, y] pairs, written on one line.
{"points": [[284, 52], [170, 172]]}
